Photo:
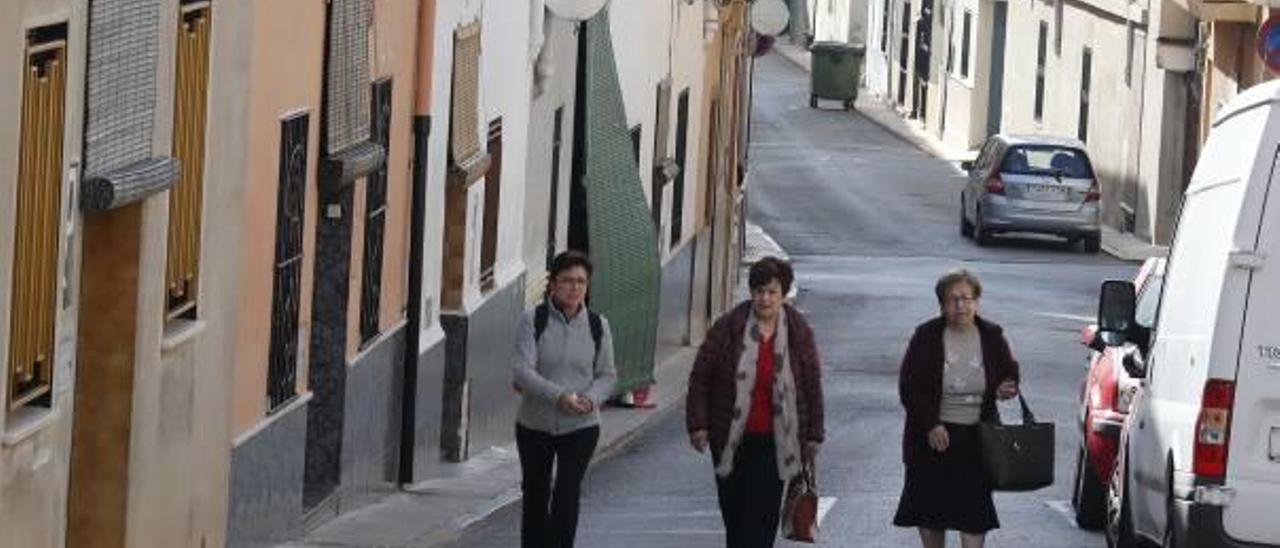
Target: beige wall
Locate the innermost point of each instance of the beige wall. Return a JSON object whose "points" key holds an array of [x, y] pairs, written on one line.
{"points": [[1114, 133], [286, 77], [394, 43], [35, 447]]}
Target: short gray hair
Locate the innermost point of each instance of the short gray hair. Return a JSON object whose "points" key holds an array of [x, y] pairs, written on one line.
{"points": [[954, 277]]}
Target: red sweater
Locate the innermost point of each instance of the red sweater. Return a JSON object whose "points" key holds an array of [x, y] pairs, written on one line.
{"points": [[760, 419]]}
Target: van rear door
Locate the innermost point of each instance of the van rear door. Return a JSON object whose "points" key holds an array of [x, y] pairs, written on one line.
{"points": [[1253, 458]]}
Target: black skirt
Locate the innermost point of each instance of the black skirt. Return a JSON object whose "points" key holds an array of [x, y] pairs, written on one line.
{"points": [[948, 490]]}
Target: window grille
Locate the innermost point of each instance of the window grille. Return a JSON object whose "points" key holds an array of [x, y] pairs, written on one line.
{"points": [[553, 203], [1040, 60], [287, 283], [375, 218], [677, 190], [1086, 77], [661, 128], [185, 199], [39, 192], [492, 201], [964, 46]]}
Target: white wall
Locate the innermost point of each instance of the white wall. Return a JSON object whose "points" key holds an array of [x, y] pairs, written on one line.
{"points": [[505, 81], [640, 31], [557, 64]]}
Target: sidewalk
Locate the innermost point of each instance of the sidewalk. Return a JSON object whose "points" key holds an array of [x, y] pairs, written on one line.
{"points": [[884, 114], [437, 511]]}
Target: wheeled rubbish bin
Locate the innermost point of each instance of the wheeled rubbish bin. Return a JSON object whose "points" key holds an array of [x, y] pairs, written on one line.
{"points": [[836, 71]]}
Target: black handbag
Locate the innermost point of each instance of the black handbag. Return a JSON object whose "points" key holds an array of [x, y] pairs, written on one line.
{"points": [[1017, 457]]}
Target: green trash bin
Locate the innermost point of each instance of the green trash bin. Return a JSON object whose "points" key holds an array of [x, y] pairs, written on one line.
{"points": [[836, 71]]}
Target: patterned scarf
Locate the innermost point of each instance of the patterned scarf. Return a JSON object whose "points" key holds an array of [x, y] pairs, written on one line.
{"points": [[786, 422]]}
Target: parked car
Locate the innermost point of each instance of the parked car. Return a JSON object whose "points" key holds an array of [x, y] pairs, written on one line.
{"points": [[1032, 184], [1105, 396], [1200, 465]]}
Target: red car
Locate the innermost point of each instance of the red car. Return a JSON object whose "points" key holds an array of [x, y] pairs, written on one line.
{"points": [[1105, 398]]}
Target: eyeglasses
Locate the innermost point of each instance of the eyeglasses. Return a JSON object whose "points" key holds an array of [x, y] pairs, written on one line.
{"points": [[571, 280], [961, 301]]}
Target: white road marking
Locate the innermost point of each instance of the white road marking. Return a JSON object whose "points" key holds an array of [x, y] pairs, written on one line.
{"points": [[1063, 508], [824, 506], [1072, 317]]}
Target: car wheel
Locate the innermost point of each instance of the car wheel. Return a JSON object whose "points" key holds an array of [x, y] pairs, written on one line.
{"points": [[981, 233], [966, 227], [1089, 498], [1170, 531], [1119, 528], [1092, 244]]}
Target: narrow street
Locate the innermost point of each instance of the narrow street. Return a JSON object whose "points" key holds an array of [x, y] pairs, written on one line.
{"points": [[870, 223]]}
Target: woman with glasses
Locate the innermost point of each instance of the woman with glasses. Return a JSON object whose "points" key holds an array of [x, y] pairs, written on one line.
{"points": [[755, 400], [956, 367], [564, 369]]}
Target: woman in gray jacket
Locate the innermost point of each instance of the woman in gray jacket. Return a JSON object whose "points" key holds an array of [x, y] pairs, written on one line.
{"points": [[564, 370]]}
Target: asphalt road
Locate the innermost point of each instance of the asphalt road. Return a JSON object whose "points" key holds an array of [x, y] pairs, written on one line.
{"points": [[870, 223]]}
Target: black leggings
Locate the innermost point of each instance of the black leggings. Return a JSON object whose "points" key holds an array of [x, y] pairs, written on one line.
{"points": [[554, 527]]}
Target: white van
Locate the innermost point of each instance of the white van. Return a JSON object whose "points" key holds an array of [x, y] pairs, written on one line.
{"points": [[1201, 464]]}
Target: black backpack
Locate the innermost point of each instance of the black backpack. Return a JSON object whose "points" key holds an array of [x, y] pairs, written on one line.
{"points": [[540, 324]]}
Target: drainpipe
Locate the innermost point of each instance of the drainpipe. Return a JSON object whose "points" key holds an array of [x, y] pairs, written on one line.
{"points": [[417, 234]]}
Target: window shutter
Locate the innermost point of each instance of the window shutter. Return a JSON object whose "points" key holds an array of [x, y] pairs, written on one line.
{"points": [[464, 139]]}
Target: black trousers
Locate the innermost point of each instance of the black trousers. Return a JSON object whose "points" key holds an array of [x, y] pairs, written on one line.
{"points": [[550, 518], [751, 497]]}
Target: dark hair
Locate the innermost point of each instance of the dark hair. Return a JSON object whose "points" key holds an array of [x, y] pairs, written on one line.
{"points": [[955, 277], [569, 259], [769, 269]]}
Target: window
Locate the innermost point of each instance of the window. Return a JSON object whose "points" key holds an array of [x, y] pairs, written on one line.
{"points": [[467, 164], [553, 204], [375, 217], [964, 45], [185, 199], [636, 133], [1047, 160], [1129, 52], [1086, 75], [492, 197], [677, 191], [286, 295], [1040, 59], [884, 27], [661, 128], [904, 50], [36, 234]]}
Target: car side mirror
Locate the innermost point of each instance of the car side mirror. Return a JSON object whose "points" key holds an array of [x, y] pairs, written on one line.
{"points": [[1133, 363], [967, 165], [1117, 304]]}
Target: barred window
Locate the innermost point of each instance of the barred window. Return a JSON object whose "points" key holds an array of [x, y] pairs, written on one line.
{"points": [[287, 273], [185, 199], [375, 218], [32, 312], [677, 190]]}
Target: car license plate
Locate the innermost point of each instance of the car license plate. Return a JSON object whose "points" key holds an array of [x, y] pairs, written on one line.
{"points": [[1046, 192]]}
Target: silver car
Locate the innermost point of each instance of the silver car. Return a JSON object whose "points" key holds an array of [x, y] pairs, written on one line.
{"points": [[1032, 184]]}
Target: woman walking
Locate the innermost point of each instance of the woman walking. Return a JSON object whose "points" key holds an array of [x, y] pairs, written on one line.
{"points": [[755, 398], [564, 370], [955, 368]]}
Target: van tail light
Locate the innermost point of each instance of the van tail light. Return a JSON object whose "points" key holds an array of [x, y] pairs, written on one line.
{"points": [[995, 185], [1094, 193], [1213, 429]]}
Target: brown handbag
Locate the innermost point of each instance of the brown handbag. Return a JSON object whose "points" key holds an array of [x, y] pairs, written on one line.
{"points": [[800, 508]]}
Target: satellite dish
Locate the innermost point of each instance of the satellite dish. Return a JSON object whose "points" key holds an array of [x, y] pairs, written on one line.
{"points": [[576, 10], [769, 17]]}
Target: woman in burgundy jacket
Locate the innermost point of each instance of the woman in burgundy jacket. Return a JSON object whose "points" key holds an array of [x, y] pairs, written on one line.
{"points": [[755, 398], [956, 367]]}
